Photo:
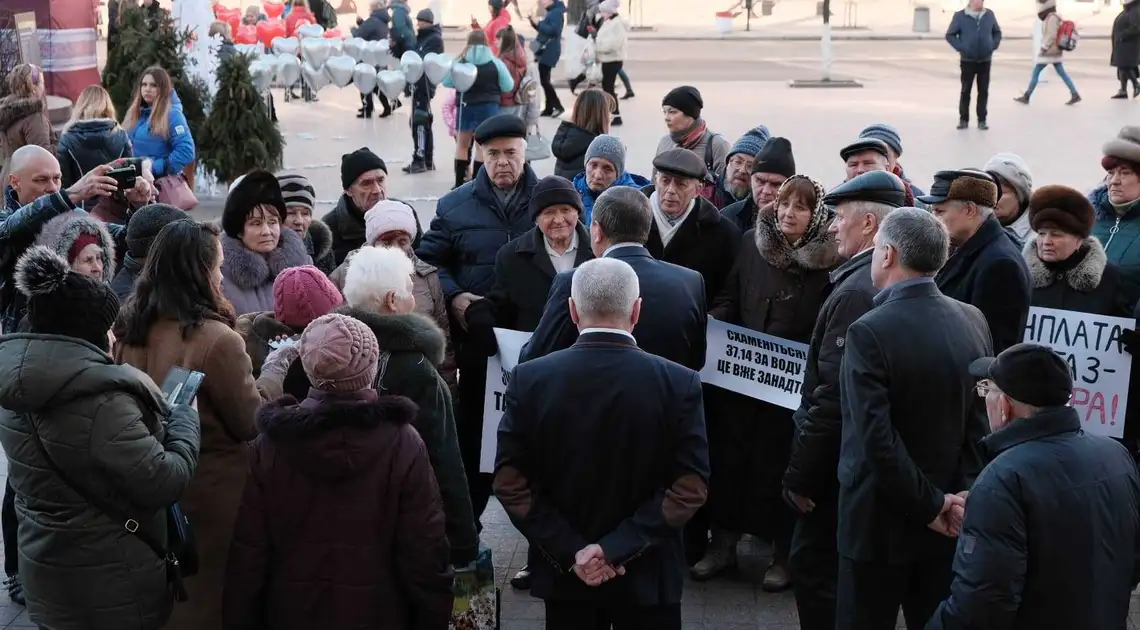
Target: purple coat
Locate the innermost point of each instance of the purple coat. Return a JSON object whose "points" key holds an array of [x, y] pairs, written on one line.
{"points": [[247, 277]]}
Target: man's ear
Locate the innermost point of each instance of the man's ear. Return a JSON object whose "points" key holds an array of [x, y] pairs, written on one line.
{"points": [[573, 311]]}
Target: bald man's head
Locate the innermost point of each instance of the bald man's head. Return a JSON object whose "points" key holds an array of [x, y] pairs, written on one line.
{"points": [[34, 173]]}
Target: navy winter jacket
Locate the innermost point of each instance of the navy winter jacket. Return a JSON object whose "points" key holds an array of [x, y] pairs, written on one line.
{"points": [[373, 29], [550, 34], [975, 38]]}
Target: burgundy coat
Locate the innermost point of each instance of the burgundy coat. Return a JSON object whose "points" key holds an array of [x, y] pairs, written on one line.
{"points": [[341, 524]]}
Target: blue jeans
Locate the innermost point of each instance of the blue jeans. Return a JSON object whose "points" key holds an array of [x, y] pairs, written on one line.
{"points": [[1060, 68]]}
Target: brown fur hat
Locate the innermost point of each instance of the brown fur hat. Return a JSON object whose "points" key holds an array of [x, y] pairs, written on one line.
{"points": [[1063, 208], [963, 185]]}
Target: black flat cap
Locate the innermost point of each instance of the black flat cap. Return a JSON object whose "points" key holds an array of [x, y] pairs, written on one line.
{"points": [[681, 162], [500, 126], [878, 186], [1029, 373], [865, 144], [963, 185]]}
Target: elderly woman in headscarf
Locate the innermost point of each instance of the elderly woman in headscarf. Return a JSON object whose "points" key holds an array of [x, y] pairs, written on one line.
{"points": [[1015, 185], [777, 287]]}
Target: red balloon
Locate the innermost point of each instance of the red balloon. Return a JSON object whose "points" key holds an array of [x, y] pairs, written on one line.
{"points": [[218, 8], [268, 30], [333, 33], [246, 34], [273, 9]]}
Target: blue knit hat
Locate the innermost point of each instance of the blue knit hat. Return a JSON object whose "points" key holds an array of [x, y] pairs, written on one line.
{"points": [[886, 133], [751, 142]]}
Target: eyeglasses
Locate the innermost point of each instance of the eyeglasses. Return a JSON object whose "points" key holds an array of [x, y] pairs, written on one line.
{"points": [[985, 387]]}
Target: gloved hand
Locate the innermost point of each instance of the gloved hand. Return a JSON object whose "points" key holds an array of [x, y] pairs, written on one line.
{"points": [[278, 361], [480, 316], [1130, 339]]}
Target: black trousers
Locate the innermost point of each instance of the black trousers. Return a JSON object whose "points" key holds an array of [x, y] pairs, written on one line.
{"points": [[551, 96], [814, 563], [8, 527], [974, 71], [573, 615], [869, 594], [423, 142], [610, 70], [366, 100], [472, 366]]}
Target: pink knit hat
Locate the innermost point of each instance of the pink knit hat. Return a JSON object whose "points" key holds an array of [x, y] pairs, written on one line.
{"points": [[302, 294], [388, 216], [339, 354]]}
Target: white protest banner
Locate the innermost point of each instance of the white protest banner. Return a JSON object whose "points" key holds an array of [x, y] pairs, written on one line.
{"points": [[1098, 362], [754, 364], [498, 371]]}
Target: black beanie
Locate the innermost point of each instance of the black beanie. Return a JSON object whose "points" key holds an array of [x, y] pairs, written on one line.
{"points": [[145, 224], [775, 157], [256, 188], [63, 302], [357, 163], [686, 99], [551, 191]]}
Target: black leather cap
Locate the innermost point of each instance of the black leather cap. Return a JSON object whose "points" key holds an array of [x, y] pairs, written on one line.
{"points": [[681, 162], [963, 185], [878, 186], [1029, 373], [865, 144], [500, 126]]}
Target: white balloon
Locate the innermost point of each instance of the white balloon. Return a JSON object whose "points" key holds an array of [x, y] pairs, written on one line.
{"points": [[364, 77], [339, 70], [336, 47], [286, 45], [288, 69], [463, 76], [436, 67], [315, 79], [380, 53], [310, 30], [248, 49], [391, 83], [356, 48], [412, 66], [262, 75], [315, 51]]}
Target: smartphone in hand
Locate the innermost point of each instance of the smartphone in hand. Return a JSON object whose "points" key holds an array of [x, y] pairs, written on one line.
{"points": [[181, 385]]}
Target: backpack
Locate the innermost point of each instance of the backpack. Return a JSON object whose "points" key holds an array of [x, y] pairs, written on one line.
{"points": [[527, 90], [708, 189], [1067, 35]]}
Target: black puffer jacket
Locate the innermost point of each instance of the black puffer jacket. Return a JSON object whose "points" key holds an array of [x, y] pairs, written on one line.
{"points": [[1126, 37], [89, 143], [569, 148]]}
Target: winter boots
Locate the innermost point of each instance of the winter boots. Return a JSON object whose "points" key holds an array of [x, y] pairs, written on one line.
{"points": [[720, 555]]}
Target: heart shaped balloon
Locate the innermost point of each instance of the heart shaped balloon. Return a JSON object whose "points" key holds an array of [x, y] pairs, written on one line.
{"points": [[273, 9], [315, 51], [436, 67], [248, 49], [246, 34], [463, 76], [364, 77], [333, 33], [268, 30], [314, 78], [339, 70], [271, 62], [336, 47], [286, 46], [310, 30], [380, 52], [391, 83], [288, 69], [261, 74], [355, 48], [412, 65]]}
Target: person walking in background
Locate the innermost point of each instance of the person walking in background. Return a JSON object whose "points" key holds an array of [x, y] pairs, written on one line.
{"points": [[1051, 52], [157, 127], [373, 29], [429, 39], [478, 104], [1126, 48], [610, 43], [23, 115], [547, 49], [975, 34], [513, 56], [91, 137], [500, 19]]}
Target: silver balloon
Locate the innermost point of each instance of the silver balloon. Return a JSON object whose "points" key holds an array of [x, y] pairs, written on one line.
{"points": [[364, 78], [412, 65], [315, 52], [436, 67], [286, 45], [380, 53], [356, 48], [463, 76], [310, 30], [262, 75], [391, 83], [336, 47], [339, 70], [315, 79], [288, 69], [248, 49]]}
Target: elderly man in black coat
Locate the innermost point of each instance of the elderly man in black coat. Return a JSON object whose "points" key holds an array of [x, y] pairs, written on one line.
{"points": [[810, 483], [1052, 525], [911, 423], [601, 471], [674, 315], [986, 269]]}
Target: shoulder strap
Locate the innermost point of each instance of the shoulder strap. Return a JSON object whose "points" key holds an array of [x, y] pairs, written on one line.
{"points": [[382, 368], [709, 157]]}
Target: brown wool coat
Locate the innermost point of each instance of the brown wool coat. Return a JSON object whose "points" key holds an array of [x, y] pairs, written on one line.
{"points": [[23, 121], [227, 404]]}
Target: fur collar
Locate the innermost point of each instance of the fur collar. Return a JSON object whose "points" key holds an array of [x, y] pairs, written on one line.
{"points": [[285, 420], [13, 110], [1084, 277], [403, 333], [61, 232], [249, 270], [816, 249], [321, 236]]}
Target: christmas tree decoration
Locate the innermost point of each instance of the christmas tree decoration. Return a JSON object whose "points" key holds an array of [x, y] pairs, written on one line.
{"points": [[238, 135]]}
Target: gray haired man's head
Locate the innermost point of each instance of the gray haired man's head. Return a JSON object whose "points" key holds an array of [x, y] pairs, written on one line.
{"points": [[922, 242], [605, 293], [621, 215]]}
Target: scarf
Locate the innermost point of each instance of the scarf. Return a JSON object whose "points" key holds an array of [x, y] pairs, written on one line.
{"points": [[667, 227], [1070, 263], [691, 137], [1124, 208]]}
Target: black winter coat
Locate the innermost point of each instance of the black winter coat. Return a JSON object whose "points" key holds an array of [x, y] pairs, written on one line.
{"points": [[1055, 506], [741, 213], [569, 149], [819, 420], [374, 28], [318, 243], [1093, 286], [988, 272], [89, 143], [1126, 37], [428, 40], [706, 242], [346, 222]]}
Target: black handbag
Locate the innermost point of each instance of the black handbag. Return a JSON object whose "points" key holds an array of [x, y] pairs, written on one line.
{"points": [[180, 554]]}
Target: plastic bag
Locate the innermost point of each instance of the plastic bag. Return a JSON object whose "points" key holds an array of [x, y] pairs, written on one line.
{"points": [[573, 63]]}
